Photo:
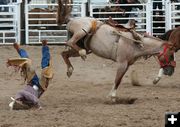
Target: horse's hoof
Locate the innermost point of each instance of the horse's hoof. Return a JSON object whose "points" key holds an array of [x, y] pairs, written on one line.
{"points": [[84, 57], [156, 80], [69, 72], [82, 53]]}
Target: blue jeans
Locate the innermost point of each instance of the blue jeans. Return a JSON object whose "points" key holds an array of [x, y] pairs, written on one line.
{"points": [[44, 61], [45, 57]]}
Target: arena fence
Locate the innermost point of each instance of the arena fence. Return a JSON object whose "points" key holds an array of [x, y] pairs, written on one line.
{"points": [[41, 22], [158, 17], [41, 19], [150, 18], [173, 15], [10, 23], [103, 11]]}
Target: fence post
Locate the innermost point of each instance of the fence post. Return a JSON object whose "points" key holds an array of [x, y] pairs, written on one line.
{"points": [[26, 22], [168, 15], [83, 9], [18, 19], [149, 16], [91, 9], [4, 38], [22, 20]]}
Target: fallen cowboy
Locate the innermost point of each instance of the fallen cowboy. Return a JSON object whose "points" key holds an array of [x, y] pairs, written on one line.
{"points": [[28, 97]]}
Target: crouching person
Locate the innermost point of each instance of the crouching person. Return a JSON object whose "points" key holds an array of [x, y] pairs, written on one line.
{"points": [[29, 96]]}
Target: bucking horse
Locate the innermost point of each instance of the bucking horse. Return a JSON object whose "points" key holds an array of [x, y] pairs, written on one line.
{"points": [[118, 43]]}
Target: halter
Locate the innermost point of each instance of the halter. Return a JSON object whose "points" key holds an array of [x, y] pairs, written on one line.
{"points": [[167, 62]]}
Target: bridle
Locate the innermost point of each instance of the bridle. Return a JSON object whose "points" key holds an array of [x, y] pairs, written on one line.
{"points": [[167, 61]]}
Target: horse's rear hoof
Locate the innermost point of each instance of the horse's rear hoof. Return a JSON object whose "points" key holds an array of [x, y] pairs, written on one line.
{"points": [[70, 71], [82, 53], [69, 74], [84, 57]]}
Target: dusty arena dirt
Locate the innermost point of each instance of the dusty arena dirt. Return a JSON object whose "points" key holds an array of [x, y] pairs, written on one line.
{"points": [[81, 101]]}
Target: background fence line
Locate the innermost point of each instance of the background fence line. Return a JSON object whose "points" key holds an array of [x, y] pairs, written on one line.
{"points": [[40, 19]]}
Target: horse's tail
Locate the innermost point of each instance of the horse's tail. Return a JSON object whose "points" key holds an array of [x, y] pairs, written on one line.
{"points": [[63, 11]]}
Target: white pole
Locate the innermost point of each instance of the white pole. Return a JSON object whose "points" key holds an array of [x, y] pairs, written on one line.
{"points": [[168, 19], [4, 37], [16, 22], [18, 8], [149, 16], [91, 9], [83, 9], [26, 21], [39, 36]]}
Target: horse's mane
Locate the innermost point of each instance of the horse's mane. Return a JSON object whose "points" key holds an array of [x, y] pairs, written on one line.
{"points": [[156, 38], [63, 11], [166, 35]]}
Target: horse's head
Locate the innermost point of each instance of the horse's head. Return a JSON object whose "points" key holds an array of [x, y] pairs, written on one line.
{"points": [[63, 11], [167, 59]]}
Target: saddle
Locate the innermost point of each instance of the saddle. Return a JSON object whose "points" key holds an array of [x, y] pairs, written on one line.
{"points": [[119, 27], [129, 28]]}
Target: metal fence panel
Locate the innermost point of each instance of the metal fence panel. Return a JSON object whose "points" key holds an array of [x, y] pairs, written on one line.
{"points": [[102, 12], [41, 23], [158, 17], [10, 23], [175, 15]]}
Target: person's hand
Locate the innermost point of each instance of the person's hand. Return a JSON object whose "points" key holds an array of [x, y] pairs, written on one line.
{"points": [[16, 46], [44, 42]]}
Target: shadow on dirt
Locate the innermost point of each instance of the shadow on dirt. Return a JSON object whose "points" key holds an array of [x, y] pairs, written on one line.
{"points": [[121, 101]]}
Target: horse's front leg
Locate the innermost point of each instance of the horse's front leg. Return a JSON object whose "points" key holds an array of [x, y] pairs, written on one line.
{"points": [[66, 55], [156, 80], [119, 75], [72, 43]]}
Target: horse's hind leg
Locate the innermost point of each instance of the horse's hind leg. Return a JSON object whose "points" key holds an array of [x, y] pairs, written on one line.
{"points": [[74, 39], [119, 75], [66, 55]]}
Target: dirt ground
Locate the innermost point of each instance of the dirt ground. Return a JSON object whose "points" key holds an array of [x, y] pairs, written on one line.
{"points": [[81, 101]]}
